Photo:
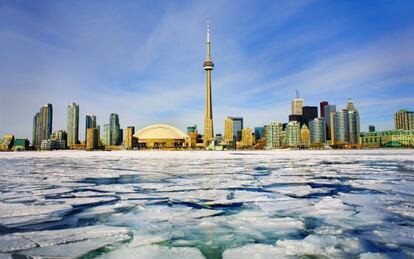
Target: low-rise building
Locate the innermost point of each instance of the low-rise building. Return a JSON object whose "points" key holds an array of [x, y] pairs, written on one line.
{"points": [[6, 142], [388, 138], [21, 144]]}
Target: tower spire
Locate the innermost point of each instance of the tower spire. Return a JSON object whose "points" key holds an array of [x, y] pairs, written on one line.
{"points": [[208, 66]]}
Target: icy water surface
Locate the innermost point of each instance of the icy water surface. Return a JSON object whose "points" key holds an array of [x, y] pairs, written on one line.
{"points": [[257, 204]]}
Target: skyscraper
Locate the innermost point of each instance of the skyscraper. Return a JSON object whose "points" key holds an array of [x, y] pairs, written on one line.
{"points": [[92, 141], [273, 135], [115, 130], [36, 127], [208, 119], [73, 124], [341, 127], [317, 131], [309, 113], [129, 141], [259, 133], [354, 127], [107, 135], [45, 122], [297, 105], [247, 137], [90, 123], [233, 127], [328, 111], [404, 120], [322, 108], [293, 134]]}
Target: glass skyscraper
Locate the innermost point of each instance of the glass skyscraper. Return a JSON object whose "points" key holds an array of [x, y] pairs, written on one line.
{"points": [[90, 123], [115, 130], [73, 124], [317, 131]]}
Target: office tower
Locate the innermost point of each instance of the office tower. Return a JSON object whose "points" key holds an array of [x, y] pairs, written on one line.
{"points": [[129, 141], [233, 127], [404, 120], [371, 128], [92, 138], [108, 135], [304, 136], [341, 127], [45, 122], [328, 111], [73, 124], [273, 132], [259, 133], [309, 113], [317, 131], [99, 133], [297, 118], [296, 105], [293, 134], [115, 129], [322, 108], [36, 127], [90, 123], [247, 137], [208, 119]]}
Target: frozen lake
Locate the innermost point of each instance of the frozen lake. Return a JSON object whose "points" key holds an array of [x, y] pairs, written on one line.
{"points": [[252, 204]]}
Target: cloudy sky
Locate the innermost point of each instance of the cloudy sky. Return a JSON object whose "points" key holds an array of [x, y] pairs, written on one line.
{"points": [[143, 59]]}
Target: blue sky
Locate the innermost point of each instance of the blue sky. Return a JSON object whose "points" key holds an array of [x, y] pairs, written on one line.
{"points": [[143, 60]]}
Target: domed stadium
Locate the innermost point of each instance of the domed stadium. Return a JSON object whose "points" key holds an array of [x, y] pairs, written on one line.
{"points": [[162, 136]]}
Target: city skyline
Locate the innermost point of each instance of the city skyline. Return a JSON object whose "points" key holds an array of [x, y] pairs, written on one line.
{"points": [[253, 78]]}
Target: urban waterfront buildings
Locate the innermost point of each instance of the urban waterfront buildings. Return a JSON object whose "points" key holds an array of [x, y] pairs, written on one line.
{"points": [[208, 119], [92, 140], [297, 105], [388, 138], [317, 131], [273, 135], [73, 124], [162, 136], [247, 138], [107, 135], [322, 108], [259, 133], [329, 112], [404, 120], [129, 141], [115, 130], [293, 134], [304, 136], [309, 113], [233, 127], [90, 123], [42, 125]]}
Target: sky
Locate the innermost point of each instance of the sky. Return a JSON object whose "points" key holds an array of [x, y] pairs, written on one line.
{"points": [[143, 60]]}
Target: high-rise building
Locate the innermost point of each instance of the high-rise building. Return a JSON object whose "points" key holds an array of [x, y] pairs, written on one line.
{"points": [[129, 141], [317, 131], [259, 133], [233, 127], [304, 136], [329, 111], [73, 124], [92, 141], [297, 118], [90, 123], [371, 128], [404, 120], [208, 119], [45, 122], [322, 108], [341, 127], [296, 105], [36, 127], [107, 135], [247, 137], [293, 134], [273, 135], [309, 113], [115, 129]]}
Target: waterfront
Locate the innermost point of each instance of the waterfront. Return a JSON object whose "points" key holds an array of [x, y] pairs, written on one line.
{"points": [[233, 204]]}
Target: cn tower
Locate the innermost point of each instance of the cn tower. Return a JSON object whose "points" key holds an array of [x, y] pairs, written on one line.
{"points": [[208, 119]]}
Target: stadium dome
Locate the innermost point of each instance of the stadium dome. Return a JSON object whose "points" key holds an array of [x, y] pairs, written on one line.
{"points": [[162, 136]]}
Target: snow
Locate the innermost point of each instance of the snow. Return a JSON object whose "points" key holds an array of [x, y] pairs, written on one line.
{"points": [[244, 204]]}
